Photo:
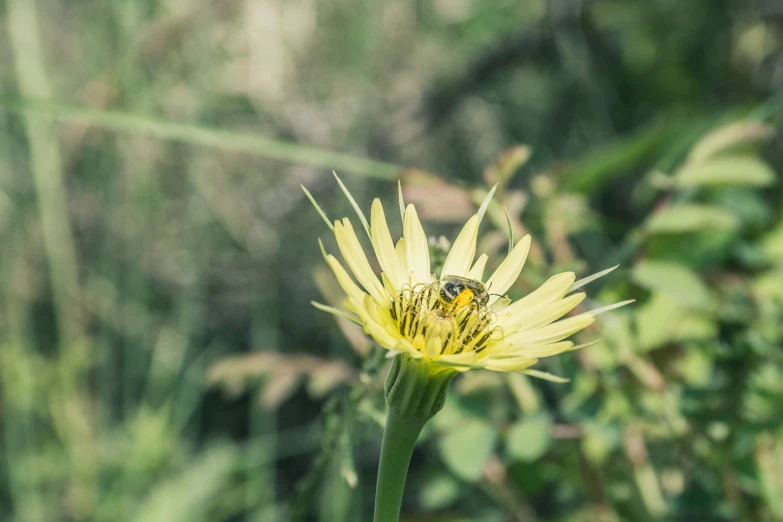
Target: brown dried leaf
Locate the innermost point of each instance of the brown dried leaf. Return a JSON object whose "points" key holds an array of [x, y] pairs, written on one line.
{"points": [[284, 374], [507, 164], [436, 199], [280, 387]]}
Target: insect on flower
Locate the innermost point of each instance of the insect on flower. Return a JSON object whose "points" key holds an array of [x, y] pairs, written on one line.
{"points": [[451, 320], [456, 292]]}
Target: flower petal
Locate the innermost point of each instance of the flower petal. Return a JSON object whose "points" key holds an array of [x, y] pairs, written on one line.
{"points": [[509, 269], [376, 325], [350, 288], [553, 289], [538, 350], [484, 204], [463, 250], [334, 311], [433, 345], [354, 256], [477, 272], [402, 260], [460, 362], [541, 315], [553, 332], [515, 364], [465, 358], [402, 202], [384, 246], [417, 250]]}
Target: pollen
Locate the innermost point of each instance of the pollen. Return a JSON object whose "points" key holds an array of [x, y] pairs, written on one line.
{"points": [[436, 330], [463, 299]]}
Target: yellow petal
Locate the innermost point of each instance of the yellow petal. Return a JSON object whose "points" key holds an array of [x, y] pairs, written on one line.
{"points": [[434, 344], [463, 250], [514, 364], [379, 314], [477, 272], [553, 332], [384, 246], [405, 346], [509, 269], [334, 311], [460, 362], [350, 288], [375, 324], [539, 350], [354, 256], [388, 286], [381, 336], [462, 359], [402, 261], [553, 289], [417, 252], [402, 202], [487, 199], [536, 317]]}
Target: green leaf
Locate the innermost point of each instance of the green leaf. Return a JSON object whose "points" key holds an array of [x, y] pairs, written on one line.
{"points": [[747, 204], [467, 448], [696, 367], [726, 170], [769, 462], [710, 247], [773, 244], [599, 440], [438, 492], [676, 281], [730, 136], [690, 217], [529, 438], [190, 494], [598, 167], [661, 321]]}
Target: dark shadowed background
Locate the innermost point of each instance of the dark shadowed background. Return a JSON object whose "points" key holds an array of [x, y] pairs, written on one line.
{"points": [[159, 357]]}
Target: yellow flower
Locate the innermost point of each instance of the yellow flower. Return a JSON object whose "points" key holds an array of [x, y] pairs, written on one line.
{"points": [[408, 309]]}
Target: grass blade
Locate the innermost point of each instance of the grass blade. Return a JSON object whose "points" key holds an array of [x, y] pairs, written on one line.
{"points": [[205, 136]]}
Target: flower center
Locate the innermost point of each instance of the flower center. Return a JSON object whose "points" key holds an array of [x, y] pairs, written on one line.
{"points": [[441, 328]]}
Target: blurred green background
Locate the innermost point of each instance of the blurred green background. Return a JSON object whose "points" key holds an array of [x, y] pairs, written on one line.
{"points": [[159, 356]]}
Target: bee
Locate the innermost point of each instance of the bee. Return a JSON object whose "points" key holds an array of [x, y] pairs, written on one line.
{"points": [[455, 293]]}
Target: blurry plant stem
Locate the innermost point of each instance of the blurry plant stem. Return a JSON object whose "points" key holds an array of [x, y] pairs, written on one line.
{"points": [[399, 439], [307, 487], [46, 166], [39, 105]]}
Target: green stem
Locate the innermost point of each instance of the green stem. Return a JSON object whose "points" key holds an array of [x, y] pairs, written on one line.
{"points": [[415, 392], [399, 439]]}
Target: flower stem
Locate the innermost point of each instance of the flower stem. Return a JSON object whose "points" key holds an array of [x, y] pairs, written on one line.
{"points": [[399, 439], [415, 392]]}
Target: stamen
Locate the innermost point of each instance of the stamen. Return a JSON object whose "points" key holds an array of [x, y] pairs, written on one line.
{"points": [[421, 315]]}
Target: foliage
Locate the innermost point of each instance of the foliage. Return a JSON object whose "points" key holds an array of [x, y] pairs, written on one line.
{"points": [[160, 360]]}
